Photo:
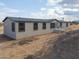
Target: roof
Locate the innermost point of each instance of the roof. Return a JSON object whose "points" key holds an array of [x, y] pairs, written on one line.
{"points": [[19, 19], [61, 21]]}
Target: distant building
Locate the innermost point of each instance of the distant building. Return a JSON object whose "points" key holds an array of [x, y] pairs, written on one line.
{"points": [[18, 28]]}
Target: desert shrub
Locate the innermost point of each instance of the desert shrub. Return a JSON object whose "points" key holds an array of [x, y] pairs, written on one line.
{"points": [[22, 42], [19, 42], [1, 24], [29, 57]]}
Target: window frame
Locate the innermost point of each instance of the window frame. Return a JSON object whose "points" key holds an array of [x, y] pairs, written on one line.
{"points": [[52, 25], [43, 25], [61, 24], [13, 26], [21, 26], [35, 26], [66, 24]]}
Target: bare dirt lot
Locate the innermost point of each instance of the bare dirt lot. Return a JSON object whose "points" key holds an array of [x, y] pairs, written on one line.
{"points": [[48, 46]]}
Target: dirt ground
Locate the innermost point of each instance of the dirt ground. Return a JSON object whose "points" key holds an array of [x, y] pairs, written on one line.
{"points": [[38, 46], [1, 29], [66, 46]]}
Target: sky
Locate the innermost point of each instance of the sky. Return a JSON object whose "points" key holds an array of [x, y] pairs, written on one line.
{"points": [[67, 10]]}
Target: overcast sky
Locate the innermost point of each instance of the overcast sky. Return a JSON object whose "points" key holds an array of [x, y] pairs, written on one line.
{"points": [[60, 9]]}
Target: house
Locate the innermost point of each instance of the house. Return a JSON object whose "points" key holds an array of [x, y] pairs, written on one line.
{"points": [[65, 24], [17, 28]]}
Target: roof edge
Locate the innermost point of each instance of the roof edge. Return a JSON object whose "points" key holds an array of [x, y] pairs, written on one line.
{"points": [[5, 19], [9, 17]]}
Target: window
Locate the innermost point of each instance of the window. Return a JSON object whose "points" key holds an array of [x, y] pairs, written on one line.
{"points": [[70, 23], [44, 26], [35, 26], [21, 27], [60, 24], [52, 25], [66, 24], [13, 27]]}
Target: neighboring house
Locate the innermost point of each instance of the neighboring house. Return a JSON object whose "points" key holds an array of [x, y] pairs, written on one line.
{"points": [[18, 28]]}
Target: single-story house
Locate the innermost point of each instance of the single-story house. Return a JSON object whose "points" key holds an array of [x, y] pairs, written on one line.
{"points": [[17, 28]]}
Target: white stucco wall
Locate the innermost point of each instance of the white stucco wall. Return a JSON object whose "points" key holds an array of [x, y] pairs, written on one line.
{"points": [[7, 29], [30, 32], [29, 29], [63, 25], [69, 24]]}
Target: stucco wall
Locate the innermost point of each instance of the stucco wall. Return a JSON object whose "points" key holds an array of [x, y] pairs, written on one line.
{"points": [[69, 24], [7, 29], [29, 29], [30, 32]]}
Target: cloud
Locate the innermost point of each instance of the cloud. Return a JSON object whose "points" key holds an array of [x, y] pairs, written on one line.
{"points": [[43, 9], [49, 12], [53, 2], [40, 14], [6, 11], [71, 5], [54, 9], [59, 9], [70, 18], [10, 10], [70, 9], [70, 2], [54, 13]]}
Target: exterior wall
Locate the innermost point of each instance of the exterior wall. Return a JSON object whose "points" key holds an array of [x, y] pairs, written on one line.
{"points": [[29, 29], [64, 26], [30, 32], [7, 29], [57, 25], [69, 24]]}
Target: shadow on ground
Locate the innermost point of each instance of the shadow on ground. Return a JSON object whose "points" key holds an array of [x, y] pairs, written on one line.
{"points": [[4, 38]]}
